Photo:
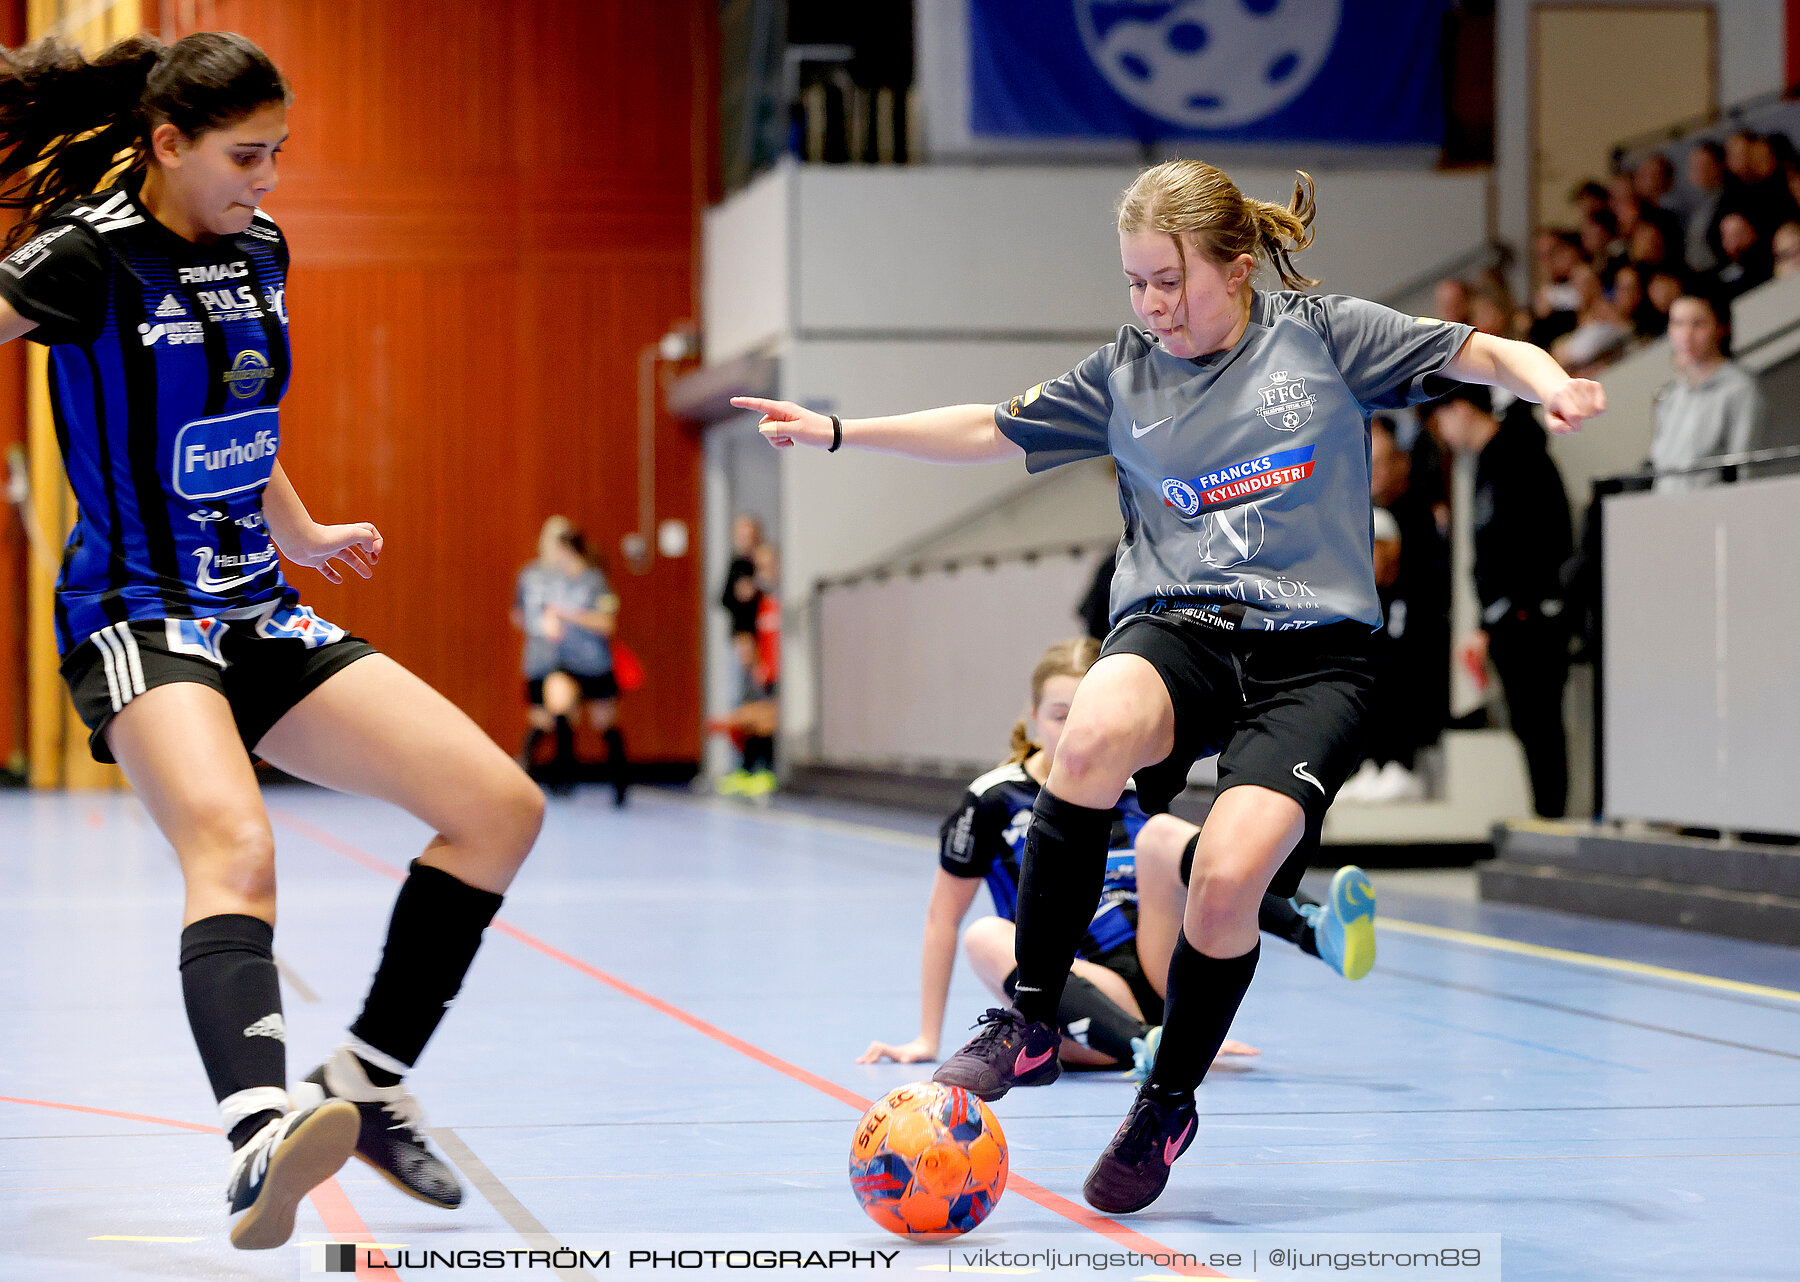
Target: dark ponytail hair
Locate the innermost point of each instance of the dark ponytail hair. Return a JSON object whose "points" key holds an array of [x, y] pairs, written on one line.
{"points": [[66, 123]]}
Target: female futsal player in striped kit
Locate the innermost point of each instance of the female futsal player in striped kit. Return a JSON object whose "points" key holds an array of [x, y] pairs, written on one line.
{"points": [[162, 301], [1242, 607]]}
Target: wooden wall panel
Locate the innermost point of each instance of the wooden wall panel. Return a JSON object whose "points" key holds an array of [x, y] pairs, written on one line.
{"points": [[13, 548], [492, 209]]}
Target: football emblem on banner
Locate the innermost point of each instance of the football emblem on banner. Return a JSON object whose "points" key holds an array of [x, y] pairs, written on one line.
{"points": [[1209, 64]]}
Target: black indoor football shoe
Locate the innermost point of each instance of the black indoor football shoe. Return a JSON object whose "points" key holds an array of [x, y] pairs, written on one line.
{"points": [[392, 1134], [1134, 1169], [1009, 1051]]}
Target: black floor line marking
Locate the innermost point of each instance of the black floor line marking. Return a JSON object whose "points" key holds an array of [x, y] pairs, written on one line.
{"points": [[1541, 1004]]}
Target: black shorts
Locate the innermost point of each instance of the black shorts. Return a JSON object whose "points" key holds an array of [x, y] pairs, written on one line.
{"points": [[604, 686], [261, 676], [1284, 710], [1124, 962]]}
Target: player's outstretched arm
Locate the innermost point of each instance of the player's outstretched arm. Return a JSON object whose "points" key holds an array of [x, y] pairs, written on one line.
{"points": [[1530, 372], [950, 900], [304, 541], [951, 434]]}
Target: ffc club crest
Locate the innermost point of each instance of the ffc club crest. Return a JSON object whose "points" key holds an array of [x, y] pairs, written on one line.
{"points": [[1286, 407]]}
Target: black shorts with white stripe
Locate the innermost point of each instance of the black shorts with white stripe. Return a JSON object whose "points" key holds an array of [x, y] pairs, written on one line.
{"points": [[261, 676]]}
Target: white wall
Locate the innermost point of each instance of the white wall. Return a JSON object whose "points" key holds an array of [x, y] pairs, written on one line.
{"points": [[746, 287], [827, 251], [1702, 709], [1031, 249], [842, 511]]}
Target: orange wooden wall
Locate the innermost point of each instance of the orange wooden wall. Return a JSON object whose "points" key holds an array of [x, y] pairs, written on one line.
{"points": [[12, 536], [492, 209]]}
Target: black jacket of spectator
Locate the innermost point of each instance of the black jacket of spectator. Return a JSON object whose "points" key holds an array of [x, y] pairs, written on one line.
{"points": [[1735, 276], [1767, 204], [1095, 609], [1522, 535], [743, 611]]}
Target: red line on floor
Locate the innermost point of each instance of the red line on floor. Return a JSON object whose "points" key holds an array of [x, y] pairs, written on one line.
{"points": [[329, 1199], [110, 1112], [1129, 1238]]}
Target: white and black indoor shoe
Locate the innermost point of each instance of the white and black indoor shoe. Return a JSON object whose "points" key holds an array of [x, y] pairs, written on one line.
{"points": [[281, 1164], [391, 1137]]}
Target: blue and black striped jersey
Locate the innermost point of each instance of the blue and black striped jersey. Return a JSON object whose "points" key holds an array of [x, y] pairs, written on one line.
{"points": [[985, 837], [168, 361]]}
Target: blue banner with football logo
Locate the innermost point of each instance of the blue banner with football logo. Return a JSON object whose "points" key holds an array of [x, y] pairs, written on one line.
{"points": [[1365, 72]]}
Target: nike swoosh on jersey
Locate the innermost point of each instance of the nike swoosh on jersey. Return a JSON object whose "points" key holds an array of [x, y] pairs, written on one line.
{"points": [[1145, 431]]}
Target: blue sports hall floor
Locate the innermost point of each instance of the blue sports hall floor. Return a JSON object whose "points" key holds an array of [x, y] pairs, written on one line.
{"points": [[653, 1060]]}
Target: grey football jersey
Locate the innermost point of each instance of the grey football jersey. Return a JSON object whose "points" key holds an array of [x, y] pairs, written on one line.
{"points": [[1244, 474]]}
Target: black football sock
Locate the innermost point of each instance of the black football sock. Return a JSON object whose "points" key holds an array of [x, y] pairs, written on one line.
{"points": [[233, 997], [564, 762], [1281, 918], [616, 763], [1059, 886], [1204, 993], [1096, 1020], [1090, 1017], [759, 753], [432, 937]]}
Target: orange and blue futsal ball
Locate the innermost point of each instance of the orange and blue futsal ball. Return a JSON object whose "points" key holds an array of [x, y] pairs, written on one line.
{"points": [[928, 1162]]}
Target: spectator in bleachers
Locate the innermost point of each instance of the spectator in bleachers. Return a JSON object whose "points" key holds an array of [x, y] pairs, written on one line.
{"points": [[1762, 195], [1737, 154], [1601, 245], [1706, 175], [1589, 198], [1600, 332], [1489, 313], [1754, 184], [1654, 180], [1712, 406], [1660, 292], [1631, 302], [1558, 299], [1650, 250], [1411, 701], [1386, 772], [1451, 299], [1628, 297], [1522, 540], [1744, 258], [1787, 249]]}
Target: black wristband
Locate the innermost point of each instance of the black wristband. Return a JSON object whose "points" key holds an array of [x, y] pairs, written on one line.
{"points": [[837, 434]]}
